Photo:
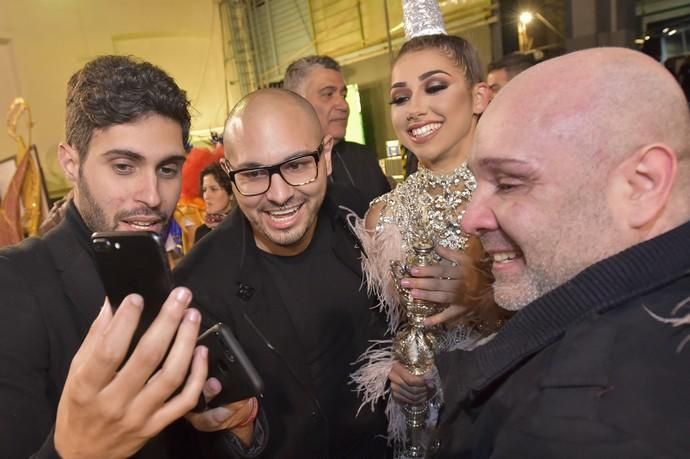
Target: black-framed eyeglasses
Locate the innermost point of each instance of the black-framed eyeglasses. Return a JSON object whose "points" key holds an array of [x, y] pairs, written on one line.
{"points": [[296, 171]]}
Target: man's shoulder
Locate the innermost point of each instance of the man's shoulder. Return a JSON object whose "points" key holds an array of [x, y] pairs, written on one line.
{"points": [[636, 329], [27, 255], [218, 250], [343, 198], [353, 147], [607, 370]]}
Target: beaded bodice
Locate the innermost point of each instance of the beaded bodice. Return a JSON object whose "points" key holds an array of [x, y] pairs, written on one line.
{"points": [[431, 203]]}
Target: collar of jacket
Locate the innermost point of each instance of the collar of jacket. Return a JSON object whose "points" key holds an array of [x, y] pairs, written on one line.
{"points": [[602, 286]]}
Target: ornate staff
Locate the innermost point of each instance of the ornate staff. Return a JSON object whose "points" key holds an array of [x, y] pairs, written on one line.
{"points": [[414, 345]]}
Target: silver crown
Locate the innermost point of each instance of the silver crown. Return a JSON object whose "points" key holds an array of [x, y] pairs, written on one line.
{"points": [[422, 17]]}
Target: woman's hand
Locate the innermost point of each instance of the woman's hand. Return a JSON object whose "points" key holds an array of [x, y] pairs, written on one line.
{"points": [[443, 283]]}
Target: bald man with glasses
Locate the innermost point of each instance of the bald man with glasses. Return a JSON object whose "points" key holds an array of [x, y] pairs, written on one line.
{"points": [[284, 272]]}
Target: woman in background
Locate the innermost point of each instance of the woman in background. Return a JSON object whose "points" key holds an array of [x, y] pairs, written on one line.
{"points": [[216, 190], [436, 96]]}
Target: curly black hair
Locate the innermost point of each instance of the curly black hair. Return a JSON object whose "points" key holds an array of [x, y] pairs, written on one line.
{"points": [[112, 90], [459, 50], [221, 177]]}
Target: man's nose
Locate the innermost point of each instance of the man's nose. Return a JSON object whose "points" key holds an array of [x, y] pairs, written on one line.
{"points": [[341, 103], [279, 191], [478, 216], [148, 191]]}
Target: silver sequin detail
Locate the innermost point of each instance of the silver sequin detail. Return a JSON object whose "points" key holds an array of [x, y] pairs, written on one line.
{"points": [[432, 203], [422, 17]]}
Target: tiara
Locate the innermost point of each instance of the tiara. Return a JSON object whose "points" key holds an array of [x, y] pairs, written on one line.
{"points": [[422, 17]]}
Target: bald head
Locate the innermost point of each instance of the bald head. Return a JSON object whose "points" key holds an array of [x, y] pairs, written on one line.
{"points": [[578, 158], [608, 100], [280, 164], [605, 104], [264, 111]]}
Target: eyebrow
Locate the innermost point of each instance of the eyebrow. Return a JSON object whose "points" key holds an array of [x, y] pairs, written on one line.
{"points": [[333, 88], [138, 157], [422, 77], [500, 161], [255, 165], [426, 75], [496, 164]]}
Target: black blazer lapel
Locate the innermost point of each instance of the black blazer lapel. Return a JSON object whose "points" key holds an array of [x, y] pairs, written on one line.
{"points": [[82, 285], [345, 244]]}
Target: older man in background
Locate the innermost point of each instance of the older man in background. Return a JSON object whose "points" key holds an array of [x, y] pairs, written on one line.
{"points": [[319, 79]]}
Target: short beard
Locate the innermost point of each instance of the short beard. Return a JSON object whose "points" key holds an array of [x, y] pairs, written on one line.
{"points": [[539, 282], [90, 211], [527, 293]]}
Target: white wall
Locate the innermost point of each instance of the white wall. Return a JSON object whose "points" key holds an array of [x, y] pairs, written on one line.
{"points": [[42, 42]]}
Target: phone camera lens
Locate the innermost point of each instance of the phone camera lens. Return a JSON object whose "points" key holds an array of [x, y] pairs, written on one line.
{"points": [[101, 245]]}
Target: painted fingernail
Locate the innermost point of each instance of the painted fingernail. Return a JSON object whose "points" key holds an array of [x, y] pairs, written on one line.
{"points": [[405, 282]]}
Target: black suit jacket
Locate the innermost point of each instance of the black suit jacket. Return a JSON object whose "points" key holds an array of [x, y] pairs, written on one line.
{"points": [[230, 286], [355, 165], [585, 371], [50, 293]]}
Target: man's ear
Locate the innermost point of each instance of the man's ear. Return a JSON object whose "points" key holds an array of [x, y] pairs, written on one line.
{"points": [[481, 95], [68, 158], [650, 175], [328, 143]]}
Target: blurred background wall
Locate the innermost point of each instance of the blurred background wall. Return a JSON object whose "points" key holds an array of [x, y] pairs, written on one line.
{"points": [[219, 50]]}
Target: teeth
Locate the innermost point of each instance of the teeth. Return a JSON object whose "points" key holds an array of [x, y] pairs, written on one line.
{"points": [[283, 213], [425, 130], [502, 257], [142, 224]]}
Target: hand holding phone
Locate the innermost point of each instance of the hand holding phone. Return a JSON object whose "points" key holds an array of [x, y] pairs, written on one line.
{"points": [[133, 262], [229, 364]]}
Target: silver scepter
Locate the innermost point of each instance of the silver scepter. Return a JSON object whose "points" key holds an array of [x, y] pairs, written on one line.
{"points": [[415, 346]]}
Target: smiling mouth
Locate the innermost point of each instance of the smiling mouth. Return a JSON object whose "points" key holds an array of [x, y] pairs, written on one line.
{"points": [[424, 131], [505, 257], [283, 214], [143, 225]]}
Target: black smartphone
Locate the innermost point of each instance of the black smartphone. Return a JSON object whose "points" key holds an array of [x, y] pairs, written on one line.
{"points": [[133, 262], [228, 363]]}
